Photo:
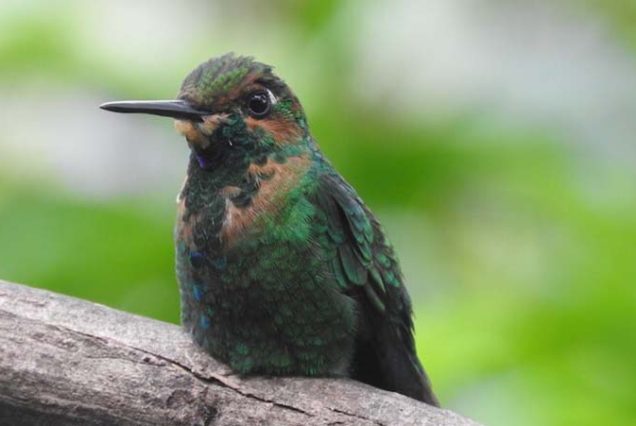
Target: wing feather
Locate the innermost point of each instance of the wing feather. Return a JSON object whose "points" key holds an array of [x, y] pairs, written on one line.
{"points": [[364, 266]]}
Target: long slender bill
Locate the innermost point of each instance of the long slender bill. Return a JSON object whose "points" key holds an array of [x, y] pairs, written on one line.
{"points": [[172, 108]]}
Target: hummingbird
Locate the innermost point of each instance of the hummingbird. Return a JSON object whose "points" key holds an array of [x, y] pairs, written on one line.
{"points": [[282, 268]]}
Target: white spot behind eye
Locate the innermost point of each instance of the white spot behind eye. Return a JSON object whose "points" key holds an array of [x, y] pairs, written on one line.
{"points": [[272, 98]]}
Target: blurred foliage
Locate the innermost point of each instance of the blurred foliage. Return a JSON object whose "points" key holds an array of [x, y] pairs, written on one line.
{"points": [[524, 256], [621, 15], [117, 253]]}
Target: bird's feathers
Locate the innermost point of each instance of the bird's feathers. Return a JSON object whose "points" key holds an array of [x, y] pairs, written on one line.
{"points": [[365, 267]]}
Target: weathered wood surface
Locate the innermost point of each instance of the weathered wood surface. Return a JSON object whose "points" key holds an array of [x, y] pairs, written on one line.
{"points": [[69, 361]]}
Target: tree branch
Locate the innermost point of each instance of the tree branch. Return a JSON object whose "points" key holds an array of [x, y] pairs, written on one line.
{"points": [[69, 361]]}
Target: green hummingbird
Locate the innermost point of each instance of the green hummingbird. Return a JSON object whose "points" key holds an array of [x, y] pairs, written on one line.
{"points": [[283, 270]]}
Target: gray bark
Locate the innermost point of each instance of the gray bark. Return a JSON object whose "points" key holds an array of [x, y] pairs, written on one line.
{"points": [[69, 361]]}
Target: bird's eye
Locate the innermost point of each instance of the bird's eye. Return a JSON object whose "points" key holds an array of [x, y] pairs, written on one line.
{"points": [[258, 104]]}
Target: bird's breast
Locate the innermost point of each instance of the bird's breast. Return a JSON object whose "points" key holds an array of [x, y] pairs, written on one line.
{"points": [[275, 184]]}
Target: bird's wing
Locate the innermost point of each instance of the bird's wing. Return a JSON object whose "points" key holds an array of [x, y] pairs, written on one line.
{"points": [[363, 259], [364, 266]]}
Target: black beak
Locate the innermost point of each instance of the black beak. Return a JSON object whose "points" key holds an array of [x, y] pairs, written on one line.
{"points": [[174, 109]]}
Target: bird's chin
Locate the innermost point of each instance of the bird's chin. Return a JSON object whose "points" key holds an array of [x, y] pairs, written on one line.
{"points": [[193, 134], [199, 133]]}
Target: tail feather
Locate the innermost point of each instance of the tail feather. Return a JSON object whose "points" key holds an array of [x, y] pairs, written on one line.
{"points": [[388, 363]]}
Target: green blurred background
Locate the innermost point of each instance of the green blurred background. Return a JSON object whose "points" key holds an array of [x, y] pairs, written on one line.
{"points": [[494, 139]]}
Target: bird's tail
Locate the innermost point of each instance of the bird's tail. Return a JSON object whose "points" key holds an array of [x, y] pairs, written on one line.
{"points": [[390, 363]]}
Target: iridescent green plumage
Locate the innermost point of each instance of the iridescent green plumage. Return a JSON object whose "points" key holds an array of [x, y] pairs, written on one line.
{"points": [[282, 268]]}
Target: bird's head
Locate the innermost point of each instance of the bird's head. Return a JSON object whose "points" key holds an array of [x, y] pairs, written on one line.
{"points": [[231, 109]]}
